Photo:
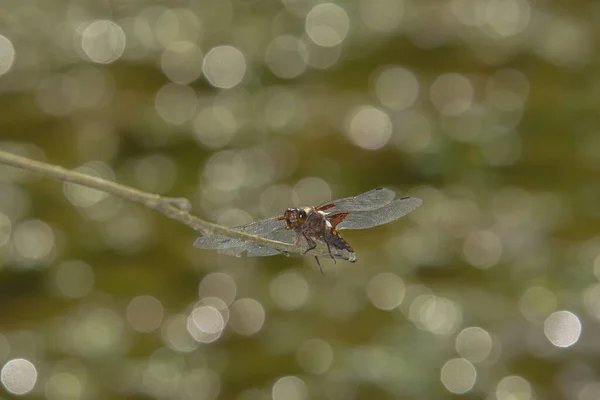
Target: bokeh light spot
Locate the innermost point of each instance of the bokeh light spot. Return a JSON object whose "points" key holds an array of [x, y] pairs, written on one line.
{"points": [[289, 388], [396, 88], [145, 313], [315, 356], [218, 284], [175, 104], [155, 173], [474, 344], [458, 375], [507, 89], [64, 386], [382, 15], [513, 388], [413, 132], [34, 242], [177, 24], [5, 229], [327, 24], [233, 217], [74, 279], [103, 41], [176, 335], [435, 314], [451, 94], [201, 384], [206, 324], [182, 62], [282, 109], [128, 230], [287, 57], [247, 316], [224, 66], [7, 54], [482, 249], [83, 196], [310, 191], [562, 328], [368, 127], [95, 334], [19, 376], [590, 391], [289, 290], [215, 126], [386, 291], [507, 17], [320, 57]]}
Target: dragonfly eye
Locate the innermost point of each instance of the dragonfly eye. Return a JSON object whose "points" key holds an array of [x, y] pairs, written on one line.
{"points": [[293, 217]]}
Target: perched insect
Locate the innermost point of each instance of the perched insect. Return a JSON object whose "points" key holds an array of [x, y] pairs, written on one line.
{"points": [[309, 227]]}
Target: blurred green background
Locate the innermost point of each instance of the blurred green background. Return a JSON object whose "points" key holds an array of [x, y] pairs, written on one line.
{"points": [[488, 110]]}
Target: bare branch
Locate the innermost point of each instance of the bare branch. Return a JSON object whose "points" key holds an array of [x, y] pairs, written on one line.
{"points": [[175, 208]]}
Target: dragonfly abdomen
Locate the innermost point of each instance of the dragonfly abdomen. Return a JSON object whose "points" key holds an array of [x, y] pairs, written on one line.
{"points": [[338, 242]]}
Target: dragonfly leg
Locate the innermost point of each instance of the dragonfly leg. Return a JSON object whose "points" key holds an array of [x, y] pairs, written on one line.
{"points": [[311, 243], [297, 238], [329, 250], [319, 264]]}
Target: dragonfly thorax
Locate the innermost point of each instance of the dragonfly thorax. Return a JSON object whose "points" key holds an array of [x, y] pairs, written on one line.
{"points": [[305, 219]]}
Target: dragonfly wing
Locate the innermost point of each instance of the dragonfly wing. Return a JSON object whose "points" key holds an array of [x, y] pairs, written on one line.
{"points": [[232, 251], [236, 247], [383, 215], [262, 228], [371, 200], [280, 234], [216, 242], [261, 251]]}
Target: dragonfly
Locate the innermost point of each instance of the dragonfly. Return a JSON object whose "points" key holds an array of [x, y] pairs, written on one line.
{"points": [[316, 229]]}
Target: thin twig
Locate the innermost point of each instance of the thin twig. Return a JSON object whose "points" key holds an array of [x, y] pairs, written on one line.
{"points": [[175, 208]]}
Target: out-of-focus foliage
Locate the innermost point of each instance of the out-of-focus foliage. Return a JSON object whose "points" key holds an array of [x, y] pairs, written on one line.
{"points": [[485, 109]]}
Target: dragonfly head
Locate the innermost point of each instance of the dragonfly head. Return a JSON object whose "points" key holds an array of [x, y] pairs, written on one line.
{"points": [[294, 217]]}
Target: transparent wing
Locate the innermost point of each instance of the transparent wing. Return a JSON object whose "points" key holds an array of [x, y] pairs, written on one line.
{"points": [[380, 216], [371, 200], [271, 229]]}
